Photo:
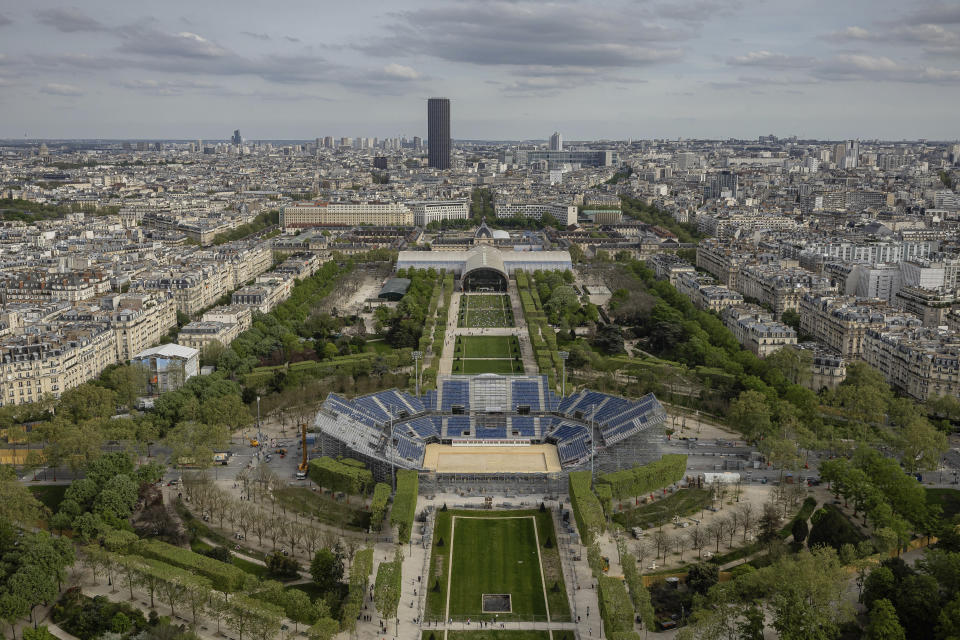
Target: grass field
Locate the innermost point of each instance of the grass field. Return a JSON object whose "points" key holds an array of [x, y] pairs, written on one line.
{"points": [[486, 346], [487, 354], [488, 366], [485, 311], [682, 503], [948, 499], [324, 508], [496, 552]]}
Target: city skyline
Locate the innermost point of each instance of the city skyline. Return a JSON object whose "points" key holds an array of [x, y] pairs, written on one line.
{"points": [[517, 70]]}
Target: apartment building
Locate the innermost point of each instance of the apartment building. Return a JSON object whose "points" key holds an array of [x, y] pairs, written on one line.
{"points": [[721, 260], [427, 211], [50, 359], [566, 214], [140, 321], [841, 322], [922, 362], [705, 294], [778, 287], [756, 330], [345, 214], [669, 267]]}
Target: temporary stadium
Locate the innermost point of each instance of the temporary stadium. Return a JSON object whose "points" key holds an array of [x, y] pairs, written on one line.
{"points": [[474, 429]]}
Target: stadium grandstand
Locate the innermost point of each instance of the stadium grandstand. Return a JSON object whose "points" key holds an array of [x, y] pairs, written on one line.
{"points": [[491, 423]]}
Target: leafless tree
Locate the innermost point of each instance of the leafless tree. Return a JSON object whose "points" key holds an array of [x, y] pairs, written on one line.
{"points": [[660, 541], [293, 534], [698, 540], [733, 523], [275, 527], [680, 544], [716, 530], [747, 518], [642, 553], [258, 523], [312, 536]]}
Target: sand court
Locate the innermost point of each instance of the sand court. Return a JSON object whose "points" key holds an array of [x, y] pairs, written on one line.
{"points": [[537, 458]]}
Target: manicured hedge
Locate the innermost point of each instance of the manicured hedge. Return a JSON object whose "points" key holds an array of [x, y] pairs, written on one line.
{"points": [[348, 476], [605, 497], [615, 607], [378, 507], [360, 571], [387, 589], [405, 503], [586, 508], [646, 478], [639, 594], [224, 577]]}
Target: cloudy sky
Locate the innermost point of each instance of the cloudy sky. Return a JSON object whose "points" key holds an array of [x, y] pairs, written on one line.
{"points": [[512, 68]]}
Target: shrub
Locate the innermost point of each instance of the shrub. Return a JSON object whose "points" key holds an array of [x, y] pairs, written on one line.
{"points": [[615, 607], [378, 506], [348, 476], [646, 478], [405, 503], [586, 508], [281, 567]]}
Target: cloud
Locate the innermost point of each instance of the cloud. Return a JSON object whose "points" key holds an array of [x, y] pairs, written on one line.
{"points": [[844, 67], [166, 87], [57, 89], [68, 20], [4, 20], [258, 36], [291, 39], [143, 40], [850, 33], [750, 82], [698, 11], [936, 13], [770, 60], [854, 67], [933, 38], [562, 38], [401, 71]]}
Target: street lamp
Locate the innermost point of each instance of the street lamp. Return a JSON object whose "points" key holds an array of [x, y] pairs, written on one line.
{"points": [[563, 359], [416, 368]]}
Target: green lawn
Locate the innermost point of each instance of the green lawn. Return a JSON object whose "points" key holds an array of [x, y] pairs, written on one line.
{"points": [[486, 346], [495, 552], [324, 508], [682, 503], [487, 366], [948, 499], [51, 495]]}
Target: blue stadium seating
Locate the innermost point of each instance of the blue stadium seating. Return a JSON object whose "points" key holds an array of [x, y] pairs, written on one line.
{"points": [[491, 431], [423, 426], [408, 449], [523, 427], [526, 393], [456, 425], [455, 393], [429, 400]]}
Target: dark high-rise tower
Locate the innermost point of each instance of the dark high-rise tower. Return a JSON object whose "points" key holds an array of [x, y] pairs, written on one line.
{"points": [[438, 132], [237, 139]]}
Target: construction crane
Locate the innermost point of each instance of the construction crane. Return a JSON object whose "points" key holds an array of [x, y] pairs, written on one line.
{"points": [[302, 468]]}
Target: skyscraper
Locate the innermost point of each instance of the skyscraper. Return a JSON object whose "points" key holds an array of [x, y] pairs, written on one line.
{"points": [[237, 139], [556, 141], [438, 132]]}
